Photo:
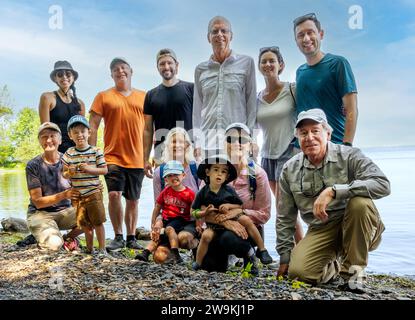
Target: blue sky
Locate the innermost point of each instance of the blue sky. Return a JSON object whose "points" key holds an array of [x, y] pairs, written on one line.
{"points": [[93, 32]]}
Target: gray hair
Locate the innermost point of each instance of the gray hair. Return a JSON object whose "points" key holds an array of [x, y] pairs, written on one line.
{"points": [[218, 18], [324, 124]]}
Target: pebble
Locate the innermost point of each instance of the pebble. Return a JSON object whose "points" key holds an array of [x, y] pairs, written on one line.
{"points": [[86, 277]]}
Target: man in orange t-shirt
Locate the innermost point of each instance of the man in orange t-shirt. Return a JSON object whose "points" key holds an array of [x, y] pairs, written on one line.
{"points": [[121, 107]]}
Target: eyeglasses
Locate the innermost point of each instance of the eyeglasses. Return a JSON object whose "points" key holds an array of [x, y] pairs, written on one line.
{"points": [[62, 73], [311, 188], [274, 49], [239, 139], [301, 19], [216, 31]]}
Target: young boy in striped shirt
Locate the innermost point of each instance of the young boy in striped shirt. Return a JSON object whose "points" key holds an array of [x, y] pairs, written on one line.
{"points": [[83, 164]]}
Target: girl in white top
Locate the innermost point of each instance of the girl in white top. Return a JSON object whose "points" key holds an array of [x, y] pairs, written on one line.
{"points": [[276, 116]]}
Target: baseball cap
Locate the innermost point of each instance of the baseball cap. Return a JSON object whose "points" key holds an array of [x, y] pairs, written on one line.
{"points": [[77, 119], [166, 52], [48, 125], [238, 125], [118, 60], [173, 167], [316, 115]]}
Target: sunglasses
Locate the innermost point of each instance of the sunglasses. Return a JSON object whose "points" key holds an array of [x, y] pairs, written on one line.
{"points": [[240, 140], [308, 16], [62, 73], [276, 50]]}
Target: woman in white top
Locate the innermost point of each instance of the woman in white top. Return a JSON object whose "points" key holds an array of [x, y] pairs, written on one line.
{"points": [[276, 116]]}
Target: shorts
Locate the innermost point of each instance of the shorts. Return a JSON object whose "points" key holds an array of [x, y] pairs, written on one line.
{"points": [[178, 224], [273, 167], [90, 210], [127, 180], [43, 224]]}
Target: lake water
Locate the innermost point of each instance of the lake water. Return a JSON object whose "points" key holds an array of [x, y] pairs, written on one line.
{"points": [[395, 254]]}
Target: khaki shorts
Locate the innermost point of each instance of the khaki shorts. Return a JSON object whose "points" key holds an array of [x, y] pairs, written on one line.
{"points": [[44, 224], [90, 210]]}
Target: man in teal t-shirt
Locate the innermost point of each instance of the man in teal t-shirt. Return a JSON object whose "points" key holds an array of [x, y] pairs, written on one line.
{"points": [[326, 81]]}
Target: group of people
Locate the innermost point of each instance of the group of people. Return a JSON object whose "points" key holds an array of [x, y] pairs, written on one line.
{"points": [[210, 194]]}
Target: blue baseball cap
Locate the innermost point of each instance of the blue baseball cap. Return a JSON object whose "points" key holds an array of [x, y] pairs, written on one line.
{"points": [[173, 167], [77, 119]]}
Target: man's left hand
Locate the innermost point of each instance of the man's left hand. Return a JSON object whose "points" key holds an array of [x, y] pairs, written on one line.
{"points": [[321, 203]]}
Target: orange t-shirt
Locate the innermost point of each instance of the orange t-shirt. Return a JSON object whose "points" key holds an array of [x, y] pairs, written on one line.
{"points": [[124, 125]]}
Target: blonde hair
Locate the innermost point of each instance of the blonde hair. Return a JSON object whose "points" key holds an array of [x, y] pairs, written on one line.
{"points": [[188, 155]]}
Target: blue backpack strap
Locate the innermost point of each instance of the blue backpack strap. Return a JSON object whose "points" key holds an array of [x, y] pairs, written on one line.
{"points": [[193, 169], [161, 176], [252, 178]]}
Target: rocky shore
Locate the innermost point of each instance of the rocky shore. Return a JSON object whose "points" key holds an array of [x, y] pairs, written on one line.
{"points": [[31, 273]]}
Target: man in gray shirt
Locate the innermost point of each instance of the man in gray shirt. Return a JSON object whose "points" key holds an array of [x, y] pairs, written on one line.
{"points": [[225, 89], [333, 187]]}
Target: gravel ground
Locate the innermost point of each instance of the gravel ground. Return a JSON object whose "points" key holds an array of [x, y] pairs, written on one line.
{"points": [[31, 273]]}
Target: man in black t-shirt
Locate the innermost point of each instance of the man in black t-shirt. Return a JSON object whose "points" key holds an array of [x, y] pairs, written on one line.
{"points": [[166, 106]]}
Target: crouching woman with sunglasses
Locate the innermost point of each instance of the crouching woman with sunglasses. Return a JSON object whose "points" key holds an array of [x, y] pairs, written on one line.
{"points": [[59, 106], [252, 187]]}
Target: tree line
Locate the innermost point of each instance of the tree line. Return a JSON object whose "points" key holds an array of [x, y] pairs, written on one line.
{"points": [[18, 132]]}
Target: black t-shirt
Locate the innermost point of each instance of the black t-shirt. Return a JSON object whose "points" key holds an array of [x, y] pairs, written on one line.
{"points": [[167, 105], [226, 194]]}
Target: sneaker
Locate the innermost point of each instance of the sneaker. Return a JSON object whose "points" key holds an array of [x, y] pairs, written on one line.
{"points": [[195, 266], [71, 244], [176, 258], [254, 266], [143, 256], [133, 244], [30, 239], [264, 256], [116, 245]]}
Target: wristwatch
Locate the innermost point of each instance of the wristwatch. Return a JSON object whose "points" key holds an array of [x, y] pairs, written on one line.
{"points": [[349, 144]]}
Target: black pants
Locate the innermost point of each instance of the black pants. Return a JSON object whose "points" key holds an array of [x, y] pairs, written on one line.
{"points": [[224, 244]]}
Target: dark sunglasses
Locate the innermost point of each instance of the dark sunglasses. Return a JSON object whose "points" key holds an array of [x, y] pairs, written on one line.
{"points": [[240, 140], [308, 16], [276, 50], [62, 73]]}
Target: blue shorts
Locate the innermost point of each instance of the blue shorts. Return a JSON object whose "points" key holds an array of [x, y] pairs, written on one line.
{"points": [[273, 167]]}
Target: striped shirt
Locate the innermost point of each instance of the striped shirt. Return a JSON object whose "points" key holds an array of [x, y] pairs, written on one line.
{"points": [[85, 183]]}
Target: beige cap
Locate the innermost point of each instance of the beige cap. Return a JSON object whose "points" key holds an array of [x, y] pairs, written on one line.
{"points": [[48, 125]]}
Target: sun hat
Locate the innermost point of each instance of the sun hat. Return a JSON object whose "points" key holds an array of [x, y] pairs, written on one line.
{"points": [[221, 159], [62, 65]]}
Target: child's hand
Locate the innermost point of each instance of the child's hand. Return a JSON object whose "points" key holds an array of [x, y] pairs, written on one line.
{"points": [[199, 226], [211, 209], [71, 170], [155, 233], [84, 168], [224, 208]]}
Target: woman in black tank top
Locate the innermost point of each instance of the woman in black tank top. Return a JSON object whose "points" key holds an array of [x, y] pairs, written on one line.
{"points": [[59, 106]]}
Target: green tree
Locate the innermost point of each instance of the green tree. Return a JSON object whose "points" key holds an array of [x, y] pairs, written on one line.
{"points": [[6, 102], [6, 145], [24, 133]]}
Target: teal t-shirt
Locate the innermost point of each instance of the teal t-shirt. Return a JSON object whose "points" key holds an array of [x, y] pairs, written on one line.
{"points": [[323, 86]]}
